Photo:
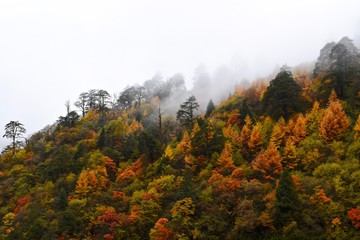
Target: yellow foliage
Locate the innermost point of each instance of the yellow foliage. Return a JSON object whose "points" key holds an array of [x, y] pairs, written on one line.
{"points": [[278, 133], [169, 152], [289, 155]]}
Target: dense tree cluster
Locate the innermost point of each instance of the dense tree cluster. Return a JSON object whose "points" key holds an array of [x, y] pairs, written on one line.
{"points": [[263, 164]]}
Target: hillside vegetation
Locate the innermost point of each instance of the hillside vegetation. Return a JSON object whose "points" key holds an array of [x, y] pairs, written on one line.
{"points": [[276, 160]]}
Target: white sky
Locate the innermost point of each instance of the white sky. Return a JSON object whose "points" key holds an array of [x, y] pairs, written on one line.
{"points": [[51, 51]]}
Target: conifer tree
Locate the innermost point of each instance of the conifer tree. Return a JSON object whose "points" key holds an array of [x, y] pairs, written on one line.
{"points": [[283, 97], [278, 133], [209, 109], [254, 142], [186, 113], [287, 201], [268, 162], [299, 130], [334, 122]]}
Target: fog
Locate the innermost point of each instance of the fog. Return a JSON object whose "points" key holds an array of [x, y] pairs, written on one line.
{"points": [[51, 51]]}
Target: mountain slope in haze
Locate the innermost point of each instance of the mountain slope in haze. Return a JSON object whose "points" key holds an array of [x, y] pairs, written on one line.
{"points": [[264, 164]]}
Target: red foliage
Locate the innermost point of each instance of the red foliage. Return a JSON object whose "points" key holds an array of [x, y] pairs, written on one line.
{"points": [[24, 200], [109, 217], [148, 196], [354, 216], [108, 236], [161, 230], [118, 195], [21, 202]]}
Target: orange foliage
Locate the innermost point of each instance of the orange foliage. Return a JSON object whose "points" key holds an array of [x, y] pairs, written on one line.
{"points": [[254, 142], [221, 183], [225, 162], [299, 130], [234, 119], [109, 163], [134, 127], [334, 122], [289, 128], [296, 181], [82, 185], [131, 172], [232, 135], [354, 216], [238, 173], [91, 135], [127, 174], [117, 195], [245, 136], [185, 144], [268, 162], [195, 129], [320, 196], [161, 231], [91, 181]]}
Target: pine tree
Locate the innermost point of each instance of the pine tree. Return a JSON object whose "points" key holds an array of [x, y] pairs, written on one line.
{"points": [[186, 113], [287, 201], [209, 109], [283, 97]]}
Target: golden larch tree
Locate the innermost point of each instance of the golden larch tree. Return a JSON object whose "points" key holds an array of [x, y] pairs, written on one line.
{"points": [[334, 122], [278, 133], [299, 130], [268, 162], [255, 142], [289, 154], [225, 162]]}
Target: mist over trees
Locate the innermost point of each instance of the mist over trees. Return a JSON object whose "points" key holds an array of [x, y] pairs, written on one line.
{"points": [[276, 159]]}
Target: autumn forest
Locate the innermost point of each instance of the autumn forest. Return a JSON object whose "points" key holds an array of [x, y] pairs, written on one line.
{"points": [[278, 158]]}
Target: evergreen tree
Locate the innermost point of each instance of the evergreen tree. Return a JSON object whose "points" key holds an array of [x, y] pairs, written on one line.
{"points": [[283, 97], [186, 114], [209, 109], [14, 130], [61, 201], [287, 201]]}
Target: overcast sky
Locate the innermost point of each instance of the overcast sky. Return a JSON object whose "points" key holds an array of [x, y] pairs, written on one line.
{"points": [[51, 51]]}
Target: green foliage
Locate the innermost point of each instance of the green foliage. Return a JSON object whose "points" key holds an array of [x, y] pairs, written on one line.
{"points": [[186, 113], [287, 203], [283, 97], [209, 109], [113, 175]]}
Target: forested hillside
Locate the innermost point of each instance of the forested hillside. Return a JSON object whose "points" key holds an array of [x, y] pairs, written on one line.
{"points": [[278, 159]]}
